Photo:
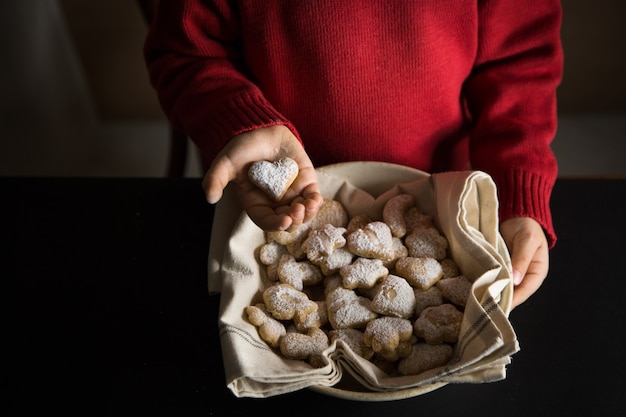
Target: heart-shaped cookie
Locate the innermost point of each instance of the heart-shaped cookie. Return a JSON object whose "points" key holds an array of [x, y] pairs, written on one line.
{"points": [[274, 178]]}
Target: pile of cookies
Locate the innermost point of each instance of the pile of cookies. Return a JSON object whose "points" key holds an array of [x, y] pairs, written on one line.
{"points": [[386, 288]]}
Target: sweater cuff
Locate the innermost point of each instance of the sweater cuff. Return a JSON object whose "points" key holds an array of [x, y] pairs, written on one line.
{"points": [[523, 194], [242, 113], [249, 110]]}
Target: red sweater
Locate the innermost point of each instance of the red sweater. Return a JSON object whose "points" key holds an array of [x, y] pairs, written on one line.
{"points": [[432, 84]]}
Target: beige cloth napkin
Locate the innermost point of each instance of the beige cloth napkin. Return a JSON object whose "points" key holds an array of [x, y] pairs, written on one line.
{"points": [[464, 205]]}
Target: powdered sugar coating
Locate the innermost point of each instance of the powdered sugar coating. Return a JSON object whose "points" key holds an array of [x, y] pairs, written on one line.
{"points": [[285, 237], [363, 273], [427, 242], [399, 251], [357, 222], [270, 329], [298, 274], [394, 297], [339, 258], [307, 346], [321, 242], [422, 273], [274, 178], [317, 318], [284, 302], [271, 252], [330, 212], [372, 241], [346, 309], [386, 333]]}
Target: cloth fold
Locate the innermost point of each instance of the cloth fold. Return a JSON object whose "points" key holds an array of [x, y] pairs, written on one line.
{"points": [[463, 205]]}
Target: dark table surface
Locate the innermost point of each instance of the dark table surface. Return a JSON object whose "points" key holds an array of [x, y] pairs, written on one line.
{"points": [[107, 310]]}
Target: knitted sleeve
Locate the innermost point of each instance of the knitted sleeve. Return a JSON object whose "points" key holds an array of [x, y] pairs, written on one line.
{"points": [[511, 96], [194, 64]]}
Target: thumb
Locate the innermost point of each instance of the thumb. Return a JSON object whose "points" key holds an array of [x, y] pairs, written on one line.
{"points": [[523, 249], [521, 246], [217, 178]]}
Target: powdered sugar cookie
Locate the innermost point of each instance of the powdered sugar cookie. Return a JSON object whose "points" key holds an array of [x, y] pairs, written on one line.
{"points": [[399, 251], [317, 318], [346, 309], [450, 268], [393, 213], [284, 302], [439, 324], [307, 346], [271, 271], [363, 273], [426, 298], [374, 240], [339, 258], [330, 212], [394, 297], [269, 255], [270, 329], [285, 238], [298, 274], [357, 222], [427, 242], [384, 334], [271, 252], [321, 242], [403, 350], [416, 219], [422, 273], [455, 289], [274, 178]]}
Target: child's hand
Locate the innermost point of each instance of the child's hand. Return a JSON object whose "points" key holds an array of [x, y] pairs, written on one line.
{"points": [[529, 255], [301, 202]]}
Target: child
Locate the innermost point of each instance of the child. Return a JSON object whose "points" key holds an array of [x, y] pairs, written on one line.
{"points": [[432, 84]]}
